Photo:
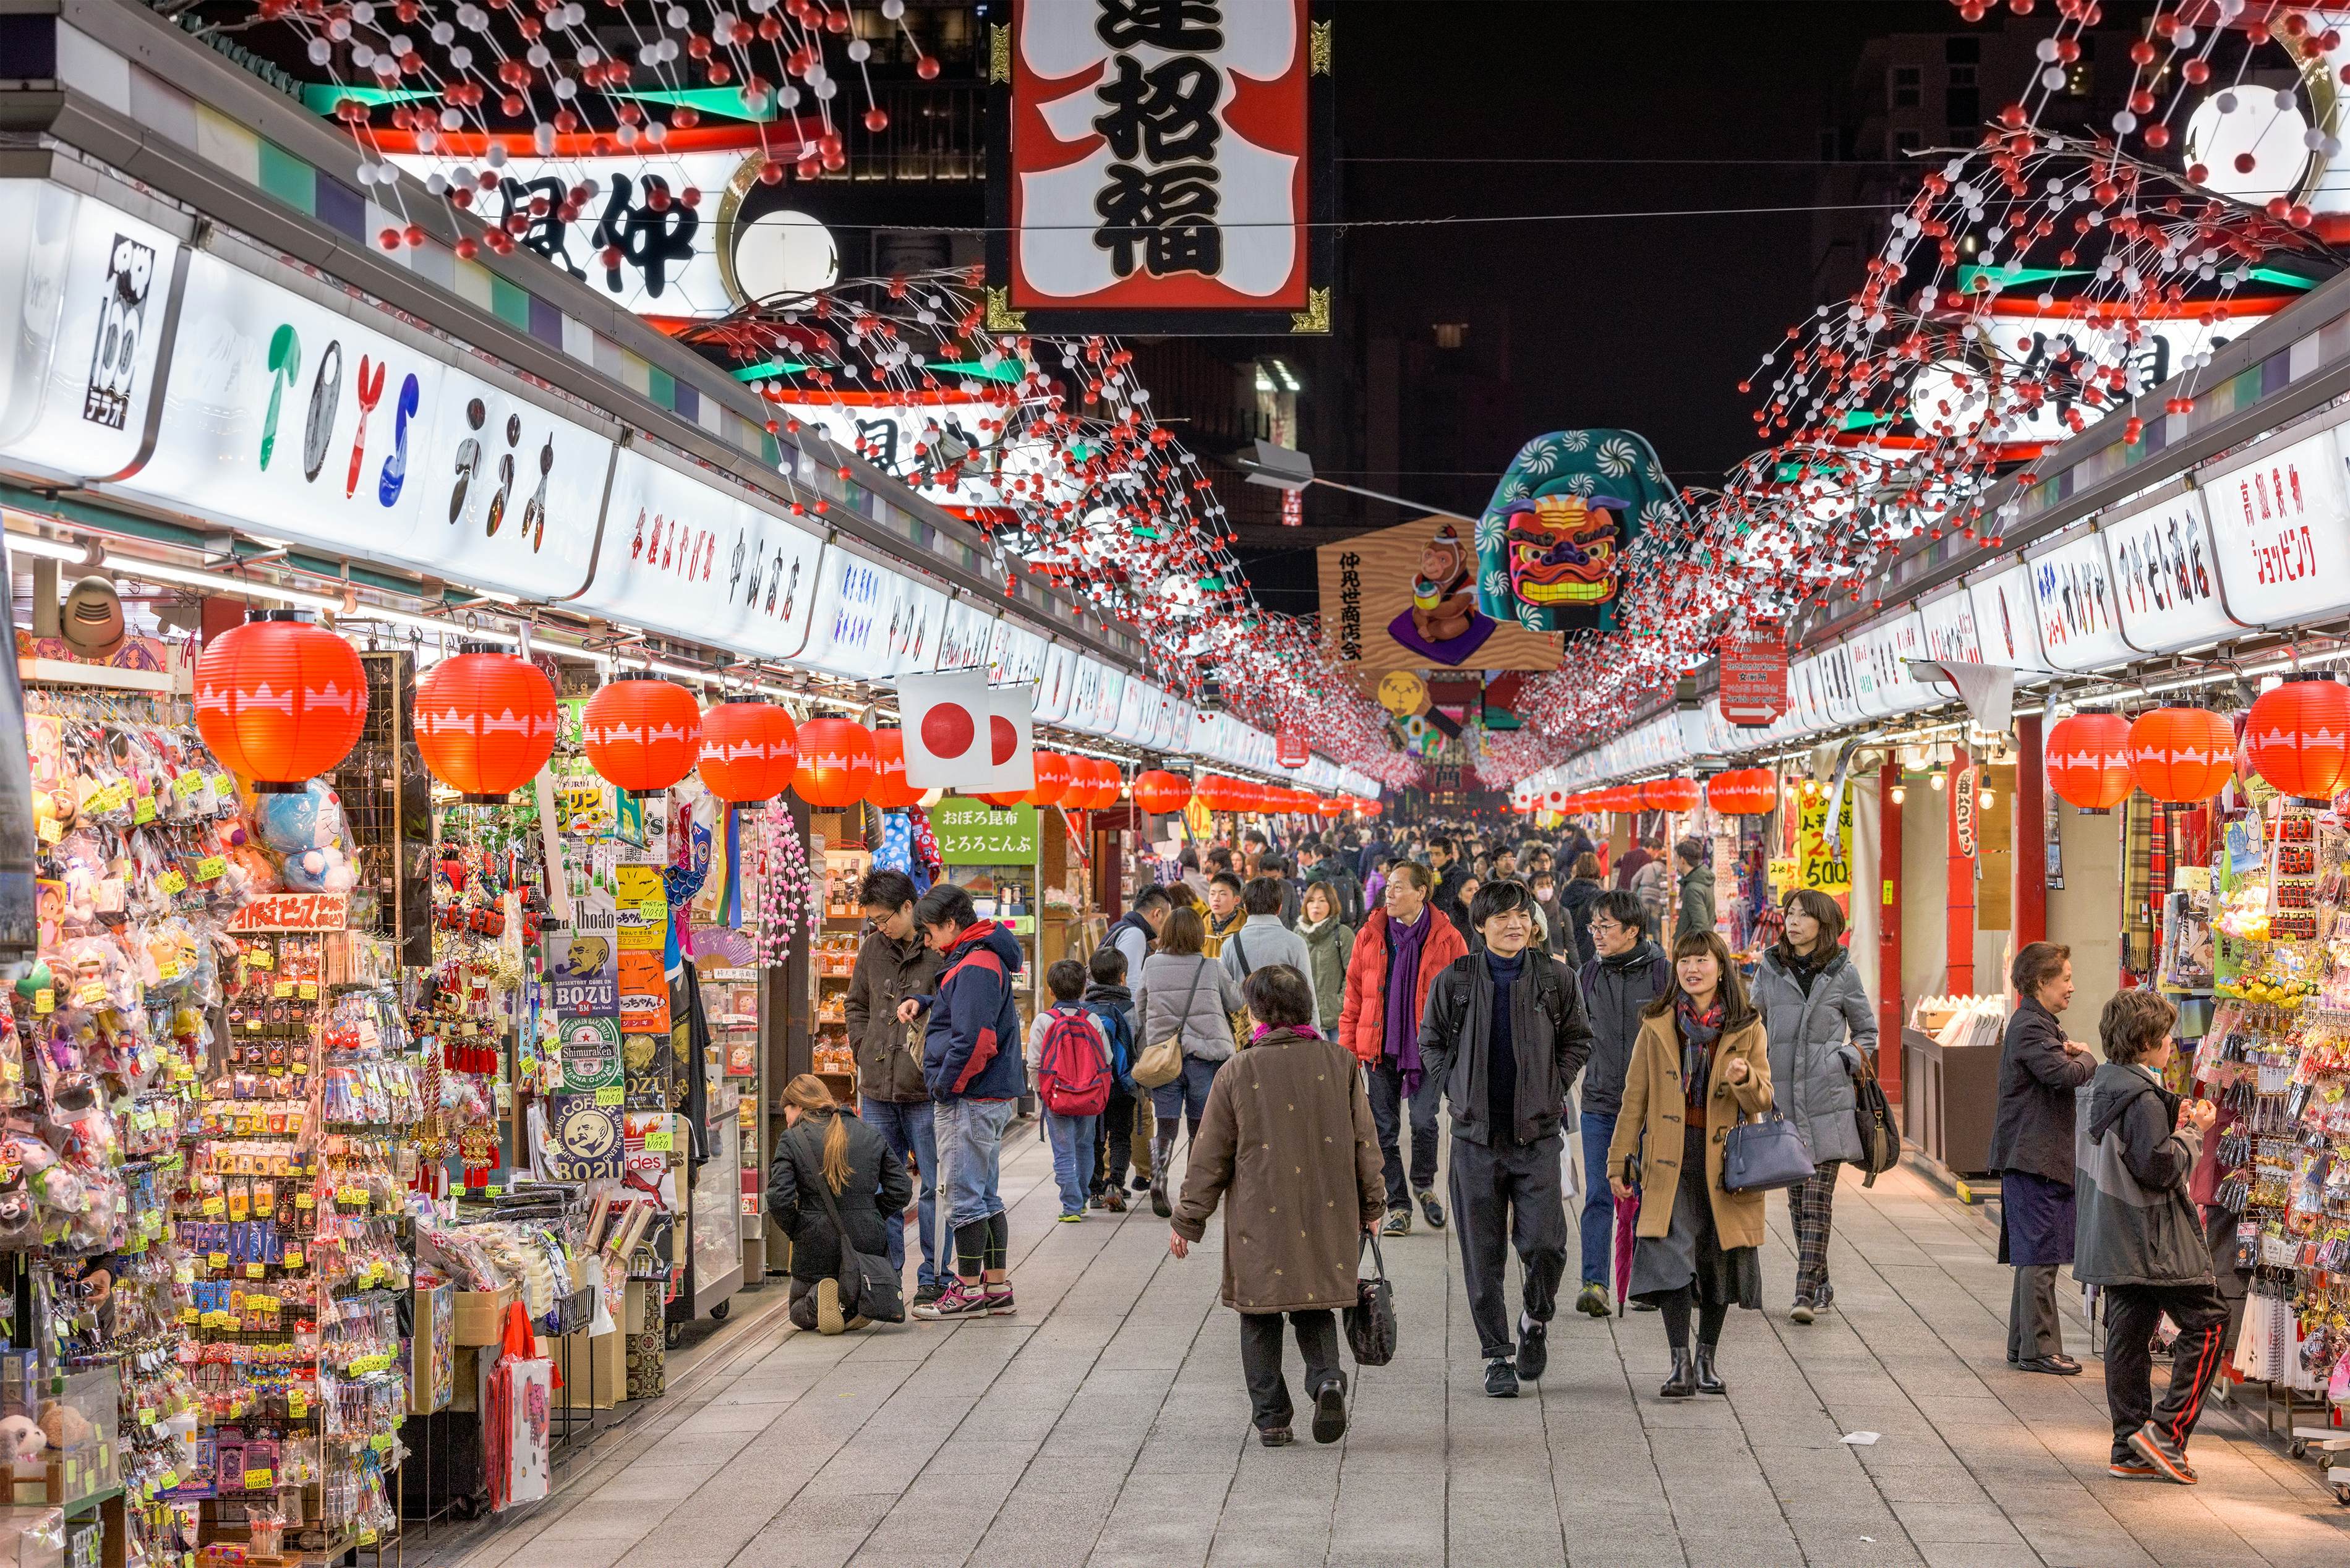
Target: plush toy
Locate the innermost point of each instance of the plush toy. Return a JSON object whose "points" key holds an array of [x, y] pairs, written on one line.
{"points": [[308, 830], [65, 1427], [20, 1438]]}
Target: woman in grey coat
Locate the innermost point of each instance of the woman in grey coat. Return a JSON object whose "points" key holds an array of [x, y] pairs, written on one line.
{"points": [[1821, 1030], [1184, 991]]}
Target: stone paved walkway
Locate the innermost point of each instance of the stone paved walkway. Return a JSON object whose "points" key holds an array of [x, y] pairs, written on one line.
{"points": [[1108, 1426]]}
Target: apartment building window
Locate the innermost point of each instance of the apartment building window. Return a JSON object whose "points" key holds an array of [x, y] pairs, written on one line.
{"points": [[1909, 86], [1904, 142]]}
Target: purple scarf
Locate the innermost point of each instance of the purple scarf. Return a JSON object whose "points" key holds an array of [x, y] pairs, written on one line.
{"points": [[1403, 986]]}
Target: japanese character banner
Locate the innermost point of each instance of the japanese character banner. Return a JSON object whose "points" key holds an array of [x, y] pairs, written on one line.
{"points": [[1160, 165], [1552, 542]]}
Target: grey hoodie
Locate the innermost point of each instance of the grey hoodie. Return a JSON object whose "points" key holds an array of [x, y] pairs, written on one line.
{"points": [[2134, 1223]]}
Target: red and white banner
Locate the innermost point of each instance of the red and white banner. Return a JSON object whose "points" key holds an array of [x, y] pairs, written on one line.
{"points": [[963, 734], [1754, 678]]}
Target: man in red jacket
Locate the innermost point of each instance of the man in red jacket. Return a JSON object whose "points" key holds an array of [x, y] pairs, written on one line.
{"points": [[1400, 951]]}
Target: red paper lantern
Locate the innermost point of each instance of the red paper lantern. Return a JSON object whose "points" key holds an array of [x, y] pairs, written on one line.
{"points": [[280, 701], [1056, 779], [836, 763], [890, 791], [1004, 800], [642, 733], [2088, 760], [1159, 791], [750, 750], [1110, 783], [485, 722], [1373, 808], [2182, 754], [1328, 808], [1670, 795], [2299, 737], [1742, 792]]}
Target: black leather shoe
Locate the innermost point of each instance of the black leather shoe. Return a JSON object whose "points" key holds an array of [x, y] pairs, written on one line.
{"points": [[2054, 1366], [1683, 1382], [1330, 1413], [1432, 1209], [1273, 1436], [1708, 1381]]}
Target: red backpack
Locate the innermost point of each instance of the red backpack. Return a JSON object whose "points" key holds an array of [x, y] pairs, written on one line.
{"points": [[1071, 1078]]}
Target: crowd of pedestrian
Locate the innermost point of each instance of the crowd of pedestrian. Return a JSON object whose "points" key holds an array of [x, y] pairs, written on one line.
{"points": [[1313, 1026]]}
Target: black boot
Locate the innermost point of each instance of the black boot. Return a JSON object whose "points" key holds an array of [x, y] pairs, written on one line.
{"points": [[1683, 1382], [1162, 1151], [1708, 1381]]}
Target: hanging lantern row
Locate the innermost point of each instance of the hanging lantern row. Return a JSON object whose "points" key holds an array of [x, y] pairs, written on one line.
{"points": [[280, 700], [2297, 738], [1742, 792]]}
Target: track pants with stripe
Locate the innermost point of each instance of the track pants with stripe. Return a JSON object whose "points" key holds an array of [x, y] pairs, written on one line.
{"points": [[2133, 1312]]}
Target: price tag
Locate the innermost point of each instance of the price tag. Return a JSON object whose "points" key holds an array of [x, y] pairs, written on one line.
{"points": [[51, 830], [216, 1260], [171, 884], [144, 811], [224, 786], [297, 1405], [661, 1142], [167, 1480], [259, 1480], [282, 989], [44, 1001], [90, 993], [305, 1200], [211, 868], [142, 1118], [654, 911], [308, 991], [293, 1257], [612, 1095], [381, 1442], [351, 1197], [260, 958], [367, 1537], [187, 784], [213, 1205], [189, 1314], [252, 1271]]}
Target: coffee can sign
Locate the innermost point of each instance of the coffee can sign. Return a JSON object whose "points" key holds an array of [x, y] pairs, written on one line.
{"points": [[1754, 679], [1161, 166]]}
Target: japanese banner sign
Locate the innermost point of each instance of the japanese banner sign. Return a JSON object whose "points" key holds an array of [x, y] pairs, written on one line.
{"points": [[1754, 678], [973, 833], [1161, 165], [291, 912], [1821, 865]]}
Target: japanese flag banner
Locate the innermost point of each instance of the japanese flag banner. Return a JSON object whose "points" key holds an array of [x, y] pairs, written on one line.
{"points": [[963, 734]]}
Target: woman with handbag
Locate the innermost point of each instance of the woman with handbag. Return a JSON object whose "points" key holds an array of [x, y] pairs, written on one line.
{"points": [[1823, 1032], [1185, 1006], [832, 1174], [1701, 1066], [1289, 1148]]}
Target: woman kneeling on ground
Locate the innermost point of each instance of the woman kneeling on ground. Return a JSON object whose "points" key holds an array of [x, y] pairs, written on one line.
{"points": [[1303, 1195], [823, 1143]]}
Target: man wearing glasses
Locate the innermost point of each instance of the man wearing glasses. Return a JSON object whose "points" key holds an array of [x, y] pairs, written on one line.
{"points": [[1629, 972], [893, 964]]}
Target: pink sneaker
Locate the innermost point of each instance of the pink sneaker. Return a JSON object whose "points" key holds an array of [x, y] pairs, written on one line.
{"points": [[958, 1300], [999, 1299]]}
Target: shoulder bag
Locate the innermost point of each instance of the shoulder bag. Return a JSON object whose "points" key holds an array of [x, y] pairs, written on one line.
{"points": [[1240, 1020], [1880, 1138], [1371, 1321], [1161, 1062], [869, 1287], [1765, 1155]]}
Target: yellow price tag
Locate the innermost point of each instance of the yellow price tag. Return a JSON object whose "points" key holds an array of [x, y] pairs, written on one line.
{"points": [[305, 1200], [172, 883], [613, 1096], [187, 784], [259, 1480], [213, 1205], [661, 1142], [44, 1001], [252, 1271], [283, 989], [90, 993], [223, 785], [50, 830], [297, 1406], [211, 868], [308, 991], [144, 812]]}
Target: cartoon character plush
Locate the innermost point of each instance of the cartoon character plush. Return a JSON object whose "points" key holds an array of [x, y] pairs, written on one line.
{"points": [[21, 1438], [1444, 595], [308, 830], [1562, 548]]}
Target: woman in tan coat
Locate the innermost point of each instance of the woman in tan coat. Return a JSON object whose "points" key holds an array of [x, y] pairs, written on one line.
{"points": [[1287, 1136], [1702, 1065]]}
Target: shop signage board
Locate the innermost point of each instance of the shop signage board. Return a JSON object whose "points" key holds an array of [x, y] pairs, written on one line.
{"points": [[1289, 747], [2007, 627], [2074, 606], [1964, 812], [291, 912], [1137, 705], [2166, 575], [1833, 671], [88, 322], [967, 636], [1754, 678], [1159, 167], [872, 623], [1109, 692], [1819, 866], [684, 555], [512, 493], [2280, 531], [973, 833], [1056, 684], [1015, 657], [1948, 626], [1405, 597]]}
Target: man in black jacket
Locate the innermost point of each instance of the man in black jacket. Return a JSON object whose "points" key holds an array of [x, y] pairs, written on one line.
{"points": [[894, 963], [2142, 1240], [1444, 858], [1504, 1034], [1628, 972], [2031, 1151]]}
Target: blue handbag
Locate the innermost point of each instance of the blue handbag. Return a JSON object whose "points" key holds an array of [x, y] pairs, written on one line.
{"points": [[1765, 1156]]}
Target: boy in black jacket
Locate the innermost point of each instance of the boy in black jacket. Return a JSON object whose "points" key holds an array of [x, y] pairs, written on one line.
{"points": [[1505, 1035], [1108, 995], [2138, 1237]]}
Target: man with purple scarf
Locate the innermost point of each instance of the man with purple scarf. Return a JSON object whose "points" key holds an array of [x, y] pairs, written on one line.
{"points": [[1401, 949]]}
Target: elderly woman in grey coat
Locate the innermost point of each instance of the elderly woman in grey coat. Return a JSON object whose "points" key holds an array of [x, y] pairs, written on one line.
{"points": [[1822, 1028]]}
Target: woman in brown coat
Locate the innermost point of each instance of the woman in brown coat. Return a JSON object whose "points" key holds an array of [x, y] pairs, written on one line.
{"points": [[1287, 1136], [1702, 1065]]}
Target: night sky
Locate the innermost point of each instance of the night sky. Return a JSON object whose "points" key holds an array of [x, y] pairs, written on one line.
{"points": [[1647, 324]]}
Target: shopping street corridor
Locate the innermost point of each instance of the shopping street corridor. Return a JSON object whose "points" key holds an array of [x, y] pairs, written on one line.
{"points": [[1106, 1424]]}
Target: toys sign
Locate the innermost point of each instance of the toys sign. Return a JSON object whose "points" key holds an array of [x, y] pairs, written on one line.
{"points": [[291, 912]]}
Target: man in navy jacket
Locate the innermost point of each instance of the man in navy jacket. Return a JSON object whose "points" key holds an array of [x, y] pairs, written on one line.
{"points": [[970, 1061]]}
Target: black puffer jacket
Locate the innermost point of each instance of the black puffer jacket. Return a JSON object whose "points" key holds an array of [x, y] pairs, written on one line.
{"points": [[872, 1199], [1614, 989]]}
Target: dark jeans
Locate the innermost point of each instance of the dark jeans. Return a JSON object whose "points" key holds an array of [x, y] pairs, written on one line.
{"points": [[907, 1127], [1113, 1142], [1318, 1342], [1598, 1221], [1506, 1194], [2132, 1312], [1385, 1082]]}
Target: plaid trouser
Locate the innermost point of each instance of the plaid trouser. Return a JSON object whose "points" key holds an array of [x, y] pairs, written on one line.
{"points": [[1811, 1205]]}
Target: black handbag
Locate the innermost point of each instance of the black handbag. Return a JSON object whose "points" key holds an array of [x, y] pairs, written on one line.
{"points": [[869, 1287], [1872, 1114], [1765, 1156], [1371, 1321]]}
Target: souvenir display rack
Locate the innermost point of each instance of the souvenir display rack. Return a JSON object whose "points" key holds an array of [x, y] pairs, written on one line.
{"points": [[833, 962]]}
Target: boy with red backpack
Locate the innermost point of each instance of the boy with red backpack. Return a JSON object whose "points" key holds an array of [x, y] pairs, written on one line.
{"points": [[1069, 1062]]}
